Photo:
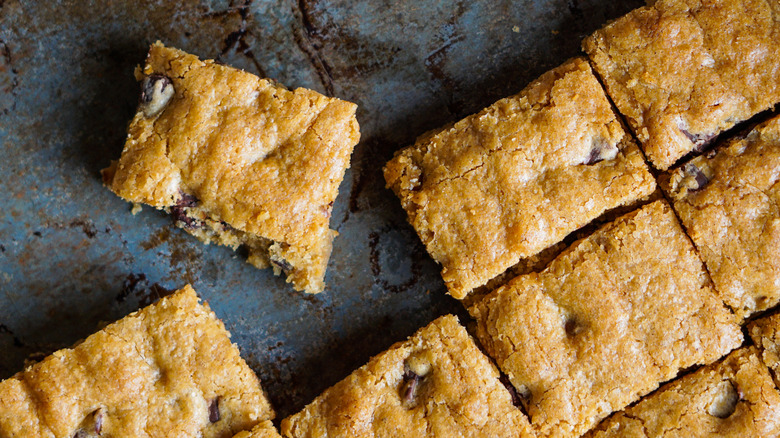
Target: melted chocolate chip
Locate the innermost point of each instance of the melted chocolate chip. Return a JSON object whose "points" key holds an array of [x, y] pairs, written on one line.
{"points": [[408, 389], [572, 327], [504, 379], [184, 220], [214, 409], [700, 141], [282, 264], [187, 200], [600, 151], [156, 92], [699, 178]]}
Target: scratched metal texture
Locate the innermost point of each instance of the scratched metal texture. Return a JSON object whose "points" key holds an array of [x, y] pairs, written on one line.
{"points": [[71, 254]]}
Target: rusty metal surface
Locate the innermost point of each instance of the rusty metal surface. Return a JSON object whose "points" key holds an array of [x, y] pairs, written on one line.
{"points": [[72, 255]]}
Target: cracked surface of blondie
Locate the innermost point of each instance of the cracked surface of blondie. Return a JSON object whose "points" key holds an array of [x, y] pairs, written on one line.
{"points": [[517, 177], [765, 333], [683, 71], [606, 322], [731, 398], [436, 384], [166, 370], [238, 160], [728, 203], [263, 430]]}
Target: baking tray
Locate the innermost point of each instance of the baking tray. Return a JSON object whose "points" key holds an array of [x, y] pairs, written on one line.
{"points": [[72, 256]]}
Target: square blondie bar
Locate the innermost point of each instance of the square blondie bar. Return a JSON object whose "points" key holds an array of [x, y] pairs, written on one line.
{"points": [[238, 160], [517, 177], [436, 384], [765, 333], [606, 322], [166, 370], [732, 398], [683, 71], [728, 202]]}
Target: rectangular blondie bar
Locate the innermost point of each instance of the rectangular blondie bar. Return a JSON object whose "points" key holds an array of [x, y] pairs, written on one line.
{"points": [[606, 322], [731, 398], [166, 370], [238, 160], [728, 202], [517, 177], [436, 384], [683, 71]]}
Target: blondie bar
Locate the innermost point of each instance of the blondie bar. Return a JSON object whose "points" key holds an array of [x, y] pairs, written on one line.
{"points": [[765, 333], [728, 202], [517, 177], [732, 398], [262, 430], [238, 160], [683, 71], [436, 384], [166, 370], [606, 322]]}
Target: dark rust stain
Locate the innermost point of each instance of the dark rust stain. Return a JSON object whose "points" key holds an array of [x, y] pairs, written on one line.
{"points": [[158, 238], [376, 268], [138, 286], [37, 233], [236, 39], [309, 40], [87, 226]]}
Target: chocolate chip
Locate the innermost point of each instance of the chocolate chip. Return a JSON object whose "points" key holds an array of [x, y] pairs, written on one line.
{"points": [[725, 401], [700, 141], [504, 379], [156, 92], [214, 409], [282, 264], [187, 200], [409, 388], [98, 421], [183, 219], [92, 426], [572, 327], [698, 178], [601, 150]]}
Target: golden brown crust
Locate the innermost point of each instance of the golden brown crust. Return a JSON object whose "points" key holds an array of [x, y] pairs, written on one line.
{"points": [[156, 372], [765, 333], [517, 177], [683, 71], [259, 160], [732, 398], [262, 430], [458, 395], [608, 320], [728, 202]]}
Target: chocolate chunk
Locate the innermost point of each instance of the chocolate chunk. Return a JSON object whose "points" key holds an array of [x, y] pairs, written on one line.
{"points": [[183, 219], [700, 141], [698, 178], [504, 379], [725, 401], [214, 409], [187, 200], [409, 388], [282, 264], [156, 92], [572, 327], [601, 150]]}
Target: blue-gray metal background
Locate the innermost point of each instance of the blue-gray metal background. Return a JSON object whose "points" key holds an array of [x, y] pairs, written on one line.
{"points": [[72, 255]]}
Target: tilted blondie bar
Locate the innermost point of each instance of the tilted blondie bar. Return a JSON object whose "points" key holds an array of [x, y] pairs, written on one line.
{"points": [[262, 430], [728, 202], [166, 370], [606, 322], [436, 384], [682, 71], [238, 160], [765, 333], [517, 177], [732, 398]]}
